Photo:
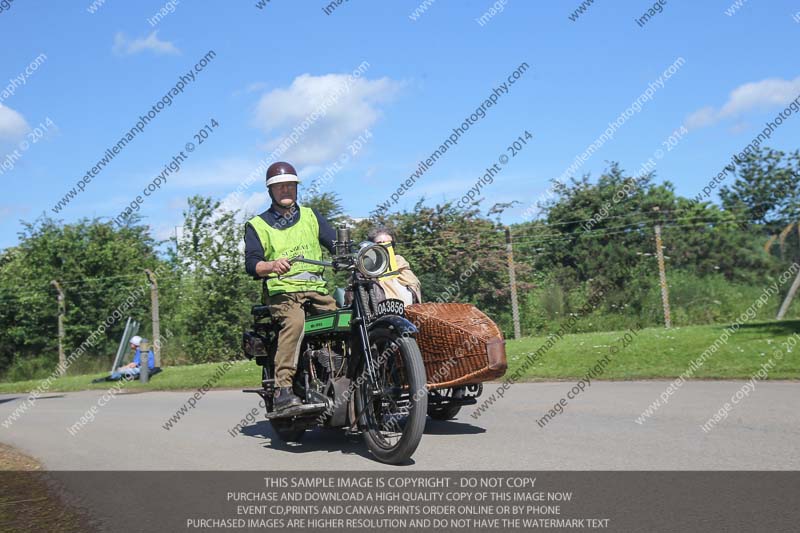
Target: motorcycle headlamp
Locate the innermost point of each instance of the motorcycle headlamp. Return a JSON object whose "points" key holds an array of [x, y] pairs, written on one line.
{"points": [[372, 259]]}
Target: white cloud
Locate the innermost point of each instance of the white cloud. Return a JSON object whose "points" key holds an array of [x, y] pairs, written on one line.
{"points": [[253, 204], [760, 95], [251, 88], [345, 106], [12, 124], [125, 46], [739, 127], [177, 203], [163, 232], [753, 96], [229, 173], [220, 172], [8, 211], [371, 172], [701, 118]]}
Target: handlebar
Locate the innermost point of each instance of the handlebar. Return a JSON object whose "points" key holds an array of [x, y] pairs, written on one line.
{"points": [[301, 259], [336, 265]]}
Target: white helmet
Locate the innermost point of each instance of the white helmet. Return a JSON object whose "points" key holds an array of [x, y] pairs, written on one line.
{"points": [[136, 340]]}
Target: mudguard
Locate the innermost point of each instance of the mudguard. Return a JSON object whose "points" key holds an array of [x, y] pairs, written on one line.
{"points": [[398, 323]]}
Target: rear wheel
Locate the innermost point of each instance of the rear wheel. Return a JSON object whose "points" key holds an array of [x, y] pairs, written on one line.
{"points": [[447, 412], [395, 402]]}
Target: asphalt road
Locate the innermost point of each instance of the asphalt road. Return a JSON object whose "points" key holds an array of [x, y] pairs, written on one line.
{"points": [[597, 431]]}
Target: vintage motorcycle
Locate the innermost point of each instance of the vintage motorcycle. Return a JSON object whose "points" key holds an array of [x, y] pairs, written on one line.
{"points": [[359, 368]]}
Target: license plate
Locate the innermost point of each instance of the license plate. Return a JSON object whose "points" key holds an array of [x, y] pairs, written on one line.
{"points": [[391, 307]]}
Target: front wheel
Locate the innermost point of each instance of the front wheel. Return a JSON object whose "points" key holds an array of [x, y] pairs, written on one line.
{"points": [[394, 401]]}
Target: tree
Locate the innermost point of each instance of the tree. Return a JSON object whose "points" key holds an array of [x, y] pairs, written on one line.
{"points": [[766, 190], [328, 205], [597, 231], [98, 265], [214, 294], [600, 236]]}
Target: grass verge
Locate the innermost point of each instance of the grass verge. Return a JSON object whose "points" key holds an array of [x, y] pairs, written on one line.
{"points": [[655, 353], [658, 353]]}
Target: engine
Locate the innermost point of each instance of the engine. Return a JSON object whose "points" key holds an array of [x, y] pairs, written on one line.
{"points": [[325, 368], [329, 360]]}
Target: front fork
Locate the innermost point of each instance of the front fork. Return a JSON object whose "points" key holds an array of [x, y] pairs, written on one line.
{"points": [[368, 365], [360, 315]]}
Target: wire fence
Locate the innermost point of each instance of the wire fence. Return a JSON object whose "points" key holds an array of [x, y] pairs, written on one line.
{"points": [[524, 244]]}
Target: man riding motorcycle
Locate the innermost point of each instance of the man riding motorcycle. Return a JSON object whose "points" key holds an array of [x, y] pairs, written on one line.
{"points": [[281, 232]]}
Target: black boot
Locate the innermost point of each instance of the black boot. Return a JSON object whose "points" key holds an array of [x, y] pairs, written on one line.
{"points": [[285, 399]]}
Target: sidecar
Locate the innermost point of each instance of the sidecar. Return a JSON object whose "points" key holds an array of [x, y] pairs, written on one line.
{"points": [[461, 348]]}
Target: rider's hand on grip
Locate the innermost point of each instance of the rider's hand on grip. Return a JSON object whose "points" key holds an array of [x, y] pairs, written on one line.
{"points": [[281, 266]]}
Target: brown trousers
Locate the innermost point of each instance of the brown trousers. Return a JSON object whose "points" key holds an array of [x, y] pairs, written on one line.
{"points": [[288, 309]]}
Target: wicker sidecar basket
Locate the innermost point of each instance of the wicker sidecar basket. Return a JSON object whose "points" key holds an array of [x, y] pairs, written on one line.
{"points": [[460, 345]]}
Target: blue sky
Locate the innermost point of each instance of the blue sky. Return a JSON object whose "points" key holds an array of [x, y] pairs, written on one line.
{"points": [[273, 66]]}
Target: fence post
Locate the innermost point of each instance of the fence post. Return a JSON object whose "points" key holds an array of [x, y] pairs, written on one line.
{"points": [[782, 238], [154, 311], [513, 281], [662, 275], [792, 290], [789, 297], [62, 360]]}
